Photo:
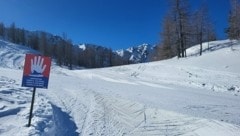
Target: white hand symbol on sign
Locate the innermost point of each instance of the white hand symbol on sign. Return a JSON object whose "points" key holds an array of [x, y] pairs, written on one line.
{"points": [[37, 67]]}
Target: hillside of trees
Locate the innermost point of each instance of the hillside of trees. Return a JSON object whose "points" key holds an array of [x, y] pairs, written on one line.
{"points": [[62, 49], [183, 27]]}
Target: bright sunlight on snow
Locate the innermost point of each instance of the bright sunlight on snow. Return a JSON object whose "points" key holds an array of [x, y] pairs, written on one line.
{"points": [[197, 95]]}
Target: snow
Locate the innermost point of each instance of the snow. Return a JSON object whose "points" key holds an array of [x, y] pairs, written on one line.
{"points": [[12, 55], [198, 95], [120, 53], [82, 46], [137, 54]]}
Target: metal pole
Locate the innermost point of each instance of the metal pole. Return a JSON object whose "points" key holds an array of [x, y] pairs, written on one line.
{"points": [[31, 109]]}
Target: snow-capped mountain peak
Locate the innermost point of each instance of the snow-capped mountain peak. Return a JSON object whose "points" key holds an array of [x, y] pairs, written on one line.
{"points": [[136, 54], [82, 46]]}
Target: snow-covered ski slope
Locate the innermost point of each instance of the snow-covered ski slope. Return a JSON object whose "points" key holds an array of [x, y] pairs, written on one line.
{"points": [[194, 96]]}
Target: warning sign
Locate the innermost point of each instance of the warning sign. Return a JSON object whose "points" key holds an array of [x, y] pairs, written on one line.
{"points": [[36, 71]]}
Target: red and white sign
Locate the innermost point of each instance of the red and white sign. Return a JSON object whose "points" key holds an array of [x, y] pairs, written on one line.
{"points": [[36, 71]]}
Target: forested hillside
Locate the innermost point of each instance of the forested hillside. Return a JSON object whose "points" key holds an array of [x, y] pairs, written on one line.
{"points": [[62, 49]]}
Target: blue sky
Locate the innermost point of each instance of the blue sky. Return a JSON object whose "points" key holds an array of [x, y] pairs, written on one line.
{"points": [[111, 23]]}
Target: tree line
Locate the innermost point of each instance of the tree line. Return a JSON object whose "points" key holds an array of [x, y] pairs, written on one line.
{"points": [[62, 49], [183, 28]]}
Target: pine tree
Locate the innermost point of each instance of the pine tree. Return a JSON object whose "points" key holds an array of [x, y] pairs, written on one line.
{"points": [[69, 54], [43, 44], [2, 30], [33, 41], [22, 36], [12, 33], [167, 48], [181, 9], [183, 29], [233, 29], [201, 25], [178, 16], [60, 53]]}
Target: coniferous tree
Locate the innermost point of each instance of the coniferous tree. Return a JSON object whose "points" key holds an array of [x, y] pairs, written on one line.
{"points": [[233, 29], [12, 33], [168, 45], [60, 53], [183, 29], [22, 38], [43, 43], [201, 26], [69, 54], [33, 41], [110, 57], [175, 29], [2, 30], [179, 16]]}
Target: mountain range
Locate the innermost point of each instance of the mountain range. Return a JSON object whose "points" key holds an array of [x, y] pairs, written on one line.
{"points": [[135, 54]]}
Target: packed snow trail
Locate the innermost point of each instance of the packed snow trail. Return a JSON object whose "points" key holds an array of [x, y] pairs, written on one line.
{"points": [[187, 100], [82, 108], [103, 98]]}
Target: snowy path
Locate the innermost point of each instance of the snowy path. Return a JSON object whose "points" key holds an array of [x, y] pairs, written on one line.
{"points": [[180, 95], [103, 105], [96, 106]]}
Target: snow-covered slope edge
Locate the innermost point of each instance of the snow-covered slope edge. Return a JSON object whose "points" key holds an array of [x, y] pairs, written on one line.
{"points": [[218, 69], [222, 55], [13, 55]]}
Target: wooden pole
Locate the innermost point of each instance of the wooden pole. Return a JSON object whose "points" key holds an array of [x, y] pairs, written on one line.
{"points": [[31, 109]]}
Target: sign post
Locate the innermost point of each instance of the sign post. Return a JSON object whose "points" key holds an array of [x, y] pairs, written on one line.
{"points": [[35, 74], [31, 109]]}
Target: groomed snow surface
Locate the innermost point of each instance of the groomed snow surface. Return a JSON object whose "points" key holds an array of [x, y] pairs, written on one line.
{"points": [[193, 96]]}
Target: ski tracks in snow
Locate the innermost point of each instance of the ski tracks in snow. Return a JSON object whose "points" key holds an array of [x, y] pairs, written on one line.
{"points": [[115, 116], [102, 115], [88, 113]]}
